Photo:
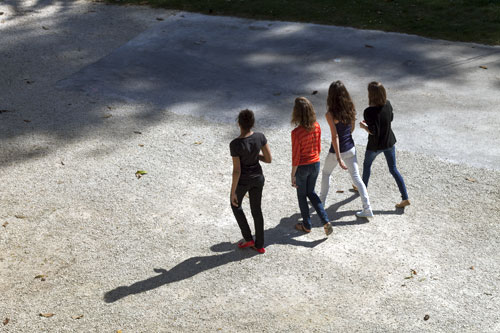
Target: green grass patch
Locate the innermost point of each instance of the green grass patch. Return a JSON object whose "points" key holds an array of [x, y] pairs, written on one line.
{"points": [[457, 20]]}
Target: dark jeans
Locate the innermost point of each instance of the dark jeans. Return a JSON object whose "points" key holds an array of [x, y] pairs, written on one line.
{"points": [[390, 156], [305, 178], [254, 188]]}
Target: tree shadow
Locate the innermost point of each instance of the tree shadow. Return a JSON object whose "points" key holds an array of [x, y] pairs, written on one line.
{"points": [[281, 234]]}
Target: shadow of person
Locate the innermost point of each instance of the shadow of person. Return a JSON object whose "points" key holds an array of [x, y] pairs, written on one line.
{"points": [[182, 271], [283, 233]]}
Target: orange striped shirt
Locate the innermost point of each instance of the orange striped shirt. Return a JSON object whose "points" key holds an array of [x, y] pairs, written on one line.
{"points": [[306, 145]]}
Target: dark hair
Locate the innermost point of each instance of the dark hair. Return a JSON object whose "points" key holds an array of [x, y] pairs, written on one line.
{"points": [[339, 103], [376, 94], [246, 119], [303, 113]]}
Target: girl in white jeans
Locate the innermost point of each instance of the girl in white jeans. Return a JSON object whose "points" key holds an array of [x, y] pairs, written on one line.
{"points": [[341, 116]]}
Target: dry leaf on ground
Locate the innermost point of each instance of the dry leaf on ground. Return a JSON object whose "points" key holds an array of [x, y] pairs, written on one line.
{"points": [[6, 321], [106, 116], [77, 317], [472, 180], [426, 317], [137, 132], [198, 143], [5, 224], [19, 216], [483, 67], [340, 191], [46, 315]]}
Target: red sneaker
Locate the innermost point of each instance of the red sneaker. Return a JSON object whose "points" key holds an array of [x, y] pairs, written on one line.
{"points": [[260, 250], [242, 244]]}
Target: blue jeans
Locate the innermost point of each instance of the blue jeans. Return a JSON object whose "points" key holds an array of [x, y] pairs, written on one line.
{"points": [[390, 156], [305, 179]]}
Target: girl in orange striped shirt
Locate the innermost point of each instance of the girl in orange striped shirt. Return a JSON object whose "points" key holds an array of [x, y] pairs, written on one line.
{"points": [[306, 146]]}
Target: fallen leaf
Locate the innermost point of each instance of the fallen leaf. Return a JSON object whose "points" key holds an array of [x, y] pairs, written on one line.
{"points": [[472, 267], [426, 317], [45, 28], [137, 132], [109, 107], [1, 13], [413, 272], [340, 191], [409, 277], [315, 92], [488, 294], [106, 116], [472, 180], [29, 82], [46, 315], [6, 320], [483, 67], [159, 19], [140, 173], [27, 121], [19, 216], [277, 93], [4, 110], [77, 317], [141, 145], [41, 276], [5, 224], [369, 46], [62, 163], [119, 331], [198, 143], [421, 279]]}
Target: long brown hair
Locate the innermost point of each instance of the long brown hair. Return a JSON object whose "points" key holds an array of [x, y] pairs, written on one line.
{"points": [[376, 94], [303, 113], [339, 103]]}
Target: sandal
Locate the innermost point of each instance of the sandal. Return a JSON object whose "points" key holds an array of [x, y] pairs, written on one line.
{"points": [[242, 244], [300, 226], [328, 228]]}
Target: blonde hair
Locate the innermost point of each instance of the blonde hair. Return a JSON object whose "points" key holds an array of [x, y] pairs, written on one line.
{"points": [[376, 94], [303, 113]]}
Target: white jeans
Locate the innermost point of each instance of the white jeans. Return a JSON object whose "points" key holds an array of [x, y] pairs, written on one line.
{"points": [[350, 160]]}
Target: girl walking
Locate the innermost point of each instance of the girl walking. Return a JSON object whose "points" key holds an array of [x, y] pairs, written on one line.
{"points": [[377, 122], [306, 146], [248, 177], [341, 116]]}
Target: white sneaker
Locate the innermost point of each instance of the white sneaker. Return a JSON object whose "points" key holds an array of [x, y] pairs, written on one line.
{"points": [[365, 213]]}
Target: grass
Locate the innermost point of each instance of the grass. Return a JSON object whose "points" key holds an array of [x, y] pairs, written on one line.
{"points": [[457, 20]]}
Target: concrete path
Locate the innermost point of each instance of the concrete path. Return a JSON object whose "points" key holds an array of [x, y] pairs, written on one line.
{"points": [[86, 246], [446, 105]]}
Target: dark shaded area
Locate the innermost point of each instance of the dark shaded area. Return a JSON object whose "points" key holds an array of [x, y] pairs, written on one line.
{"points": [[459, 20], [212, 66]]}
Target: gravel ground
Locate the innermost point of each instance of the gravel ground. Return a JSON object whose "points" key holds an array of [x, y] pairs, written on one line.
{"points": [[157, 253]]}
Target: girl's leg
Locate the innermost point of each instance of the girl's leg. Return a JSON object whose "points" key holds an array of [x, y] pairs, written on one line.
{"points": [[301, 180], [313, 197], [255, 194], [390, 156], [240, 215], [351, 162], [367, 165], [329, 165]]}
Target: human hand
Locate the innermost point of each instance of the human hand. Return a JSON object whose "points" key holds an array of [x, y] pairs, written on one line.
{"points": [[342, 164], [234, 200], [294, 184]]}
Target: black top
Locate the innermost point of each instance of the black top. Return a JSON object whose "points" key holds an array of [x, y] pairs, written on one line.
{"points": [[345, 138], [378, 119], [247, 149]]}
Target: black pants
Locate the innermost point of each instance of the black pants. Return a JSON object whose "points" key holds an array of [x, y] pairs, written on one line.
{"points": [[254, 188]]}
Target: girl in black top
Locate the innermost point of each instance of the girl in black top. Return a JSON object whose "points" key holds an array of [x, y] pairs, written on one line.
{"points": [[377, 122], [248, 177]]}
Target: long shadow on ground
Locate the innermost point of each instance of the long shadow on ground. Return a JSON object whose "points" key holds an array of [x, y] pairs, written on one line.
{"points": [[282, 234]]}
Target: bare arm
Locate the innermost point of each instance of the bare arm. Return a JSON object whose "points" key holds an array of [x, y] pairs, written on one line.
{"points": [[364, 126], [335, 140], [236, 178], [294, 170], [266, 154]]}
